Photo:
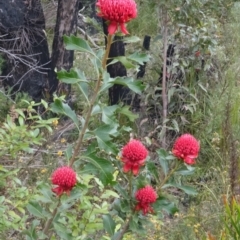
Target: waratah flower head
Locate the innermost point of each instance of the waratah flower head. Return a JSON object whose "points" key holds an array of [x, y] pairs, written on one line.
{"points": [[65, 179], [145, 196], [186, 147], [133, 156], [117, 12]]}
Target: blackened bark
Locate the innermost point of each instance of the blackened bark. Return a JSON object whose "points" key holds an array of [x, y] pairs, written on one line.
{"points": [[137, 98], [146, 46], [24, 47], [62, 58], [117, 93]]}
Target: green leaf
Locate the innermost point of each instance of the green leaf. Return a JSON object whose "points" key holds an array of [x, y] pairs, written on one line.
{"points": [[108, 116], [185, 172], [162, 154], [71, 77], [109, 224], [131, 39], [135, 86], [75, 76], [109, 193], [123, 192], [107, 82], [59, 107], [103, 166], [187, 189], [35, 209], [125, 111], [140, 58], [126, 63], [153, 169], [62, 232], [164, 204], [97, 62], [68, 152], [76, 43], [31, 233], [104, 135]]}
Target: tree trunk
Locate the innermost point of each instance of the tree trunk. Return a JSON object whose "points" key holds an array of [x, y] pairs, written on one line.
{"points": [[62, 58], [24, 47], [136, 102]]}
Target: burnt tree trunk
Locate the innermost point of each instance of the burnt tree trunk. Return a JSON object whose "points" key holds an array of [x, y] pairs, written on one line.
{"points": [[23, 45], [117, 93], [142, 69], [62, 58]]}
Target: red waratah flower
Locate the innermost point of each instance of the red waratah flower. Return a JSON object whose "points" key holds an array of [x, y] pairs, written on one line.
{"points": [[186, 147], [133, 155], [65, 178], [145, 196], [117, 12]]}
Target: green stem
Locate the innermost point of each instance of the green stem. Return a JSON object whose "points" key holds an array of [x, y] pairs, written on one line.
{"points": [[169, 175], [94, 97], [130, 185], [49, 221]]}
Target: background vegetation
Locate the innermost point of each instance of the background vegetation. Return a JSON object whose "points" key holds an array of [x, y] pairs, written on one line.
{"points": [[205, 103]]}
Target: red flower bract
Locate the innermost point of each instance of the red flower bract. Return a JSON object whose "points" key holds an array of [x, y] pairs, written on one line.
{"points": [[145, 196], [65, 178], [133, 155], [117, 12], [186, 147]]}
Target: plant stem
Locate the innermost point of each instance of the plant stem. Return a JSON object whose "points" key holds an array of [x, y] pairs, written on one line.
{"points": [[130, 185], [125, 228], [49, 221], [168, 176], [94, 97]]}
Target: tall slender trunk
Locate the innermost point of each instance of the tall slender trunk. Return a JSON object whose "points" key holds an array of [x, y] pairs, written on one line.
{"points": [[62, 58], [164, 82]]}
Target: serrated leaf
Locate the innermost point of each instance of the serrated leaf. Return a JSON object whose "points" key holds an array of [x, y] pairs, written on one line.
{"points": [[108, 224], [126, 63], [103, 166], [187, 189], [186, 172], [31, 234], [135, 86], [71, 77], [107, 82], [61, 231], [59, 107], [68, 152], [140, 58], [131, 39], [76, 43], [162, 154], [123, 192], [104, 136], [108, 116], [153, 169], [109, 193], [164, 204], [35, 209], [125, 111], [75, 76]]}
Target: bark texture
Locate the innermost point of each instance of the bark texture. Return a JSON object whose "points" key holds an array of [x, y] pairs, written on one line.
{"points": [[62, 58], [23, 45]]}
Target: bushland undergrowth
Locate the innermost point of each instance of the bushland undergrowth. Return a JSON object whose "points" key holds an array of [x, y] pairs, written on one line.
{"points": [[101, 205]]}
